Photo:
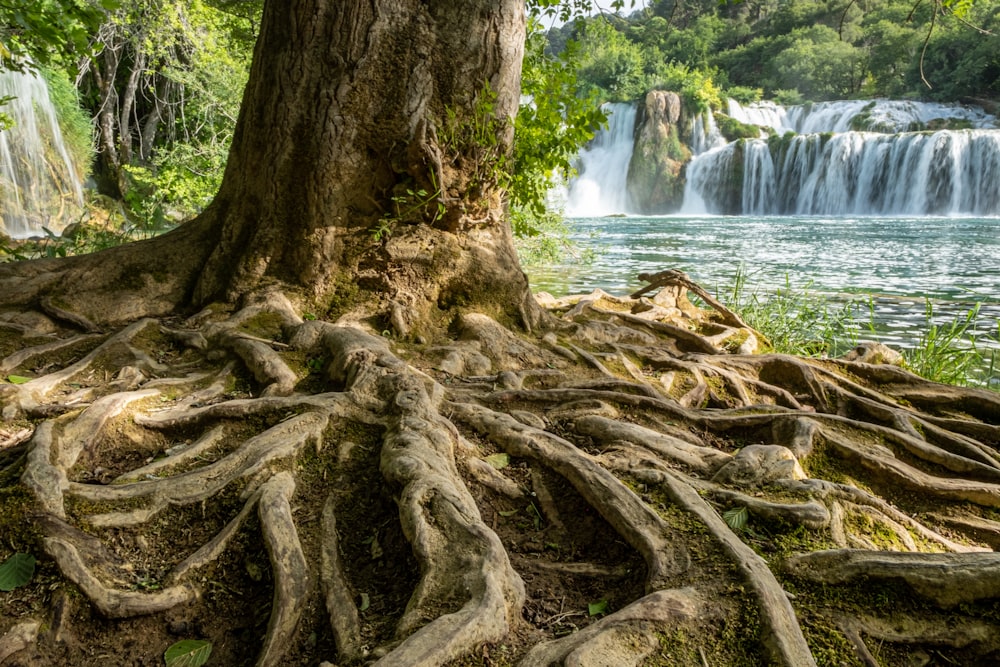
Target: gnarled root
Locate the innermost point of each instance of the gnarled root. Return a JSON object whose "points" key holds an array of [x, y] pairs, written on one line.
{"points": [[615, 490]]}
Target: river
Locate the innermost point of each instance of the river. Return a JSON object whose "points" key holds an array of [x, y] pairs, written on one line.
{"points": [[901, 262]]}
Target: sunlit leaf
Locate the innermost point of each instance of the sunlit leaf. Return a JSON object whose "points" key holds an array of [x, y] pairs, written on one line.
{"points": [[498, 461], [17, 379], [597, 608]]}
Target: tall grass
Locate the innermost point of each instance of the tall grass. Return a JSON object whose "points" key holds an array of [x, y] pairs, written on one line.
{"points": [[802, 322], [799, 321], [956, 351]]}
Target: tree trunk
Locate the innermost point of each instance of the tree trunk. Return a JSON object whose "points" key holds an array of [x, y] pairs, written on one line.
{"points": [[354, 156], [367, 173]]}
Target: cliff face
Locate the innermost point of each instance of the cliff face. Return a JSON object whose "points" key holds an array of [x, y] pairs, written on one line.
{"points": [[656, 171]]}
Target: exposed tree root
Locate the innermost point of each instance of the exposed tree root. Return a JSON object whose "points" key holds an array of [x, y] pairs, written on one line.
{"points": [[633, 486]]}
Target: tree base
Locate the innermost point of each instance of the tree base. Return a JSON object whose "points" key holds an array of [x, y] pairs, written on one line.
{"points": [[635, 486]]}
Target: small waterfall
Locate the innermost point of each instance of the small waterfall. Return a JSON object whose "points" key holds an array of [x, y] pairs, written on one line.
{"points": [[704, 191], [705, 134], [883, 116], [599, 187], [758, 178], [762, 114], [39, 186]]}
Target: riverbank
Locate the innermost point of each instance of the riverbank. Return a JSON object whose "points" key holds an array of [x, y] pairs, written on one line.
{"points": [[910, 283]]}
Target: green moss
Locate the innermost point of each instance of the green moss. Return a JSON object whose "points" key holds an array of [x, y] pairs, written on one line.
{"points": [[733, 129], [16, 504], [264, 325], [344, 297]]}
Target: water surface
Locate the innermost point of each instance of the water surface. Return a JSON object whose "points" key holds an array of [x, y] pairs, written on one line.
{"points": [[954, 262]]}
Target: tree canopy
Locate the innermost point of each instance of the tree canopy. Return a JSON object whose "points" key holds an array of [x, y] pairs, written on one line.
{"points": [[801, 49]]}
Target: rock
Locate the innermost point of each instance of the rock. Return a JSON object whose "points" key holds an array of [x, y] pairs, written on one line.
{"points": [[760, 464], [870, 352], [655, 173]]}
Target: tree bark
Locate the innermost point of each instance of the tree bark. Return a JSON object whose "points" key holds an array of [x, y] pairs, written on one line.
{"points": [[342, 130]]}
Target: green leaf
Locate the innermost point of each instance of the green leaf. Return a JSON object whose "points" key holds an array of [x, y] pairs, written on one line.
{"points": [[498, 461], [188, 653], [597, 608], [736, 518], [16, 571], [508, 513], [365, 602], [17, 379]]}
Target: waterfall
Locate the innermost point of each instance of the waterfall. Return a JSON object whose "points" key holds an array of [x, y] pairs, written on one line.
{"points": [[599, 187], [853, 157], [854, 173], [39, 186], [758, 178], [884, 116], [705, 191], [762, 114], [830, 169], [705, 134]]}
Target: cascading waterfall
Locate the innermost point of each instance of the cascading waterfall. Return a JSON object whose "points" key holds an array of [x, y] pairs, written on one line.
{"points": [[705, 134], [599, 188], [39, 185], [843, 172]]}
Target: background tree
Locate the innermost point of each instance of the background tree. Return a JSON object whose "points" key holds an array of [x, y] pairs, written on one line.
{"points": [[164, 91]]}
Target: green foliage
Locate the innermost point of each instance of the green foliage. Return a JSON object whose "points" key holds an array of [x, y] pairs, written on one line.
{"points": [[598, 608], [819, 64], [545, 239], [16, 571], [48, 32], [613, 66], [566, 10], [551, 127], [187, 169], [733, 129], [736, 518], [787, 96], [798, 321], [412, 206], [799, 49], [745, 94], [696, 87], [74, 122], [188, 653], [498, 461]]}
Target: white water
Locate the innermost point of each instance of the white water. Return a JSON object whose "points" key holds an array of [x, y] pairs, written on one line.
{"points": [[705, 134], [762, 114], [39, 186], [599, 187], [885, 116], [950, 172]]}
